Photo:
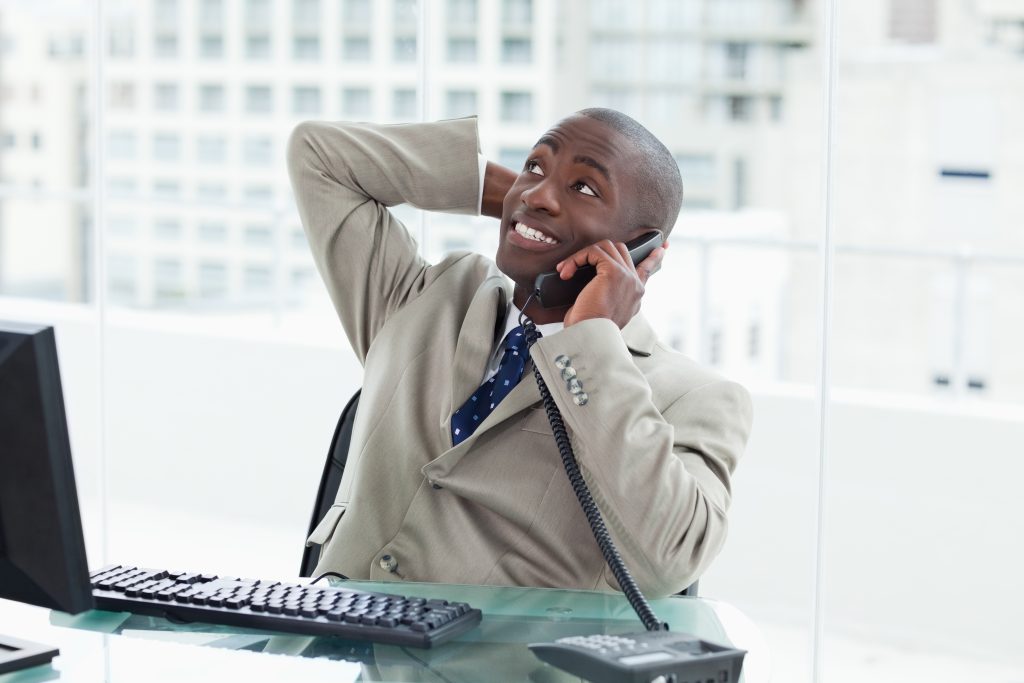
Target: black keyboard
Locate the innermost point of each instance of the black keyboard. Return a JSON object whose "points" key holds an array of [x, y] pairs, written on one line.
{"points": [[291, 608]]}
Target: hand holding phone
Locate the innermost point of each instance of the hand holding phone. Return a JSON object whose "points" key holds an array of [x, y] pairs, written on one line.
{"points": [[619, 285]]}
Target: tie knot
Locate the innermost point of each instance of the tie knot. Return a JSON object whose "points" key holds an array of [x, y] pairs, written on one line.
{"points": [[516, 338]]}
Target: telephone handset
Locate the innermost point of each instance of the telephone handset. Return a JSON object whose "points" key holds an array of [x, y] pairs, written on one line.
{"points": [[647, 656], [554, 292]]}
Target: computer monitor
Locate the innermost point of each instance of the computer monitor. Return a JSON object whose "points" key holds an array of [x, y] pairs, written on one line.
{"points": [[42, 550]]}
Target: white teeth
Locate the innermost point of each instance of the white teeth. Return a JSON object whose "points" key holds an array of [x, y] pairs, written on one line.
{"points": [[532, 234]]}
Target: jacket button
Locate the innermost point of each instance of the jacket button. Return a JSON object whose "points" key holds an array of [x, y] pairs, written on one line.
{"points": [[580, 399], [574, 386], [562, 362], [388, 563], [568, 373]]}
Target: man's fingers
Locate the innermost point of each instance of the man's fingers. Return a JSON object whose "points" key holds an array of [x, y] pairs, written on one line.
{"points": [[592, 255], [652, 264]]}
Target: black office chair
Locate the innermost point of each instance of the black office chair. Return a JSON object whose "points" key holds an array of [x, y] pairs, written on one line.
{"points": [[330, 480]]}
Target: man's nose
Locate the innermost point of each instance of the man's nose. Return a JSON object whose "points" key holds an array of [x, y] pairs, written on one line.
{"points": [[543, 196]]}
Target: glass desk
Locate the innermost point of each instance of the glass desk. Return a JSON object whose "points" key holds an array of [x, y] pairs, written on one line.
{"points": [[118, 648]]}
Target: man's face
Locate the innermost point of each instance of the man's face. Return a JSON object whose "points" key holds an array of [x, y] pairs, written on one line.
{"points": [[576, 188]]}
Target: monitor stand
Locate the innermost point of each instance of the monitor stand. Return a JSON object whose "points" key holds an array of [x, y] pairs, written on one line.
{"points": [[21, 654]]}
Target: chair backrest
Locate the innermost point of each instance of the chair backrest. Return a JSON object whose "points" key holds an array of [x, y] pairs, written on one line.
{"points": [[330, 480]]}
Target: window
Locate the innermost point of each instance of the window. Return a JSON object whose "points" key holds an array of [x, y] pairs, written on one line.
{"points": [[121, 187], [121, 41], [306, 48], [739, 108], [168, 279], [121, 144], [211, 16], [122, 226], [356, 49], [405, 13], [166, 189], [258, 193], [213, 280], [516, 50], [7, 140], [122, 95], [460, 103], [513, 158], [516, 107], [166, 147], [122, 278], [211, 191], [213, 232], [258, 235], [462, 50], [356, 102], [167, 229], [257, 278], [211, 46], [462, 13], [211, 149], [258, 15], [211, 98], [165, 46], [37, 140], [306, 100], [165, 97], [257, 46], [739, 183], [306, 16], [913, 21], [736, 60], [258, 99], [356, 13], [405, 49], [165, 15], [517, 12], [405, 104], [257, 150], [696, 169]]}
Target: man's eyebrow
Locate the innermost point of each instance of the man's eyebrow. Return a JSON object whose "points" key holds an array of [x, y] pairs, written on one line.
{"points": [[593, 163], [550, 141]]}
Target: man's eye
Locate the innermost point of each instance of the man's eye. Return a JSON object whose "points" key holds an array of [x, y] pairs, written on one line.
{"points": [[584, 188], [533, 167]]}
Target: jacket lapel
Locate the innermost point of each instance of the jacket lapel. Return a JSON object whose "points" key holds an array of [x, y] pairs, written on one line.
{"points": [[483, 321]]}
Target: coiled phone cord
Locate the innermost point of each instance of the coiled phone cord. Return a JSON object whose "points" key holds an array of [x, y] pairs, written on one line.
{"points": [[604, 541]]}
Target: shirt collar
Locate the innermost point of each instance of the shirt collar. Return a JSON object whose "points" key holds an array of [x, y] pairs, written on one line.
{"points": [[638, 334]]}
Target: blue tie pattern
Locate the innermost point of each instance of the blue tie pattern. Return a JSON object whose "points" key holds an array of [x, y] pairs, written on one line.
{"points": [[476, 409]]}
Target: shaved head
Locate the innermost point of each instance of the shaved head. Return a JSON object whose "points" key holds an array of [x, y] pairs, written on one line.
{"points": [[658, 182]]}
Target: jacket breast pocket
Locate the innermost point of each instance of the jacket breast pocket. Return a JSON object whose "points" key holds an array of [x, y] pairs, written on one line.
{"points": [[325, 529], [536, 421]]}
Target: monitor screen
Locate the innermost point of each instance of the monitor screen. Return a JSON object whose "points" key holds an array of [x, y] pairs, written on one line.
{"points": [[42, 551]]}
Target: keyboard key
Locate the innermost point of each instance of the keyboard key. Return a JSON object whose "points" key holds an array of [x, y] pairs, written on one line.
{"points": [[236, 603], [291, 610], [274, 608]]}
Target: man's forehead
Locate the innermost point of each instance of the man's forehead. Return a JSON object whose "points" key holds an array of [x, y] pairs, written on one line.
{"points": [[583, 136]]}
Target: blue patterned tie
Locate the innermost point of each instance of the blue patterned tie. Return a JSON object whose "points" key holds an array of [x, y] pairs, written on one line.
{"points": [[475, 410]]}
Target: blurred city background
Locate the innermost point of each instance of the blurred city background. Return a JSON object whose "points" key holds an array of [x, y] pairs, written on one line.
{"points": [[145, 210]]}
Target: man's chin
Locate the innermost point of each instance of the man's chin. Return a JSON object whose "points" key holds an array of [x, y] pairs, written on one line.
{"points": [[522, 277]]}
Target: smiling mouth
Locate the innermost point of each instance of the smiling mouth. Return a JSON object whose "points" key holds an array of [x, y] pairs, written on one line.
{"points": [[532, 233]]}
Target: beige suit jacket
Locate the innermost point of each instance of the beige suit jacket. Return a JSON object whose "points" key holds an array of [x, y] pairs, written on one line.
{"points": [[657, 442]]}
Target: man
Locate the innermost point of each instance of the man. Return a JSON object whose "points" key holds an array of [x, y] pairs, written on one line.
{"points": [[454, 478]]}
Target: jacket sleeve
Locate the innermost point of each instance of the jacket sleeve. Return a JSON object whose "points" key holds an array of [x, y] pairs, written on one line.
{"points": [[345, 176], [660, 478]]}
